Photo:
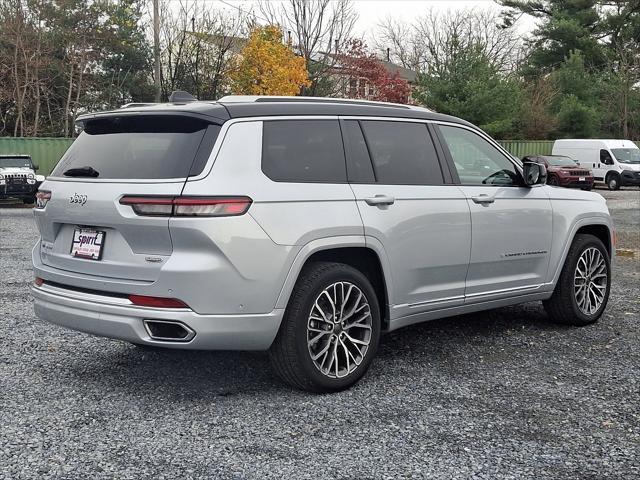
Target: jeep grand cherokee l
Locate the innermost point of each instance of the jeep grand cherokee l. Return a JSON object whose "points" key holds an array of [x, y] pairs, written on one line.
{"points": [[305, 227]]}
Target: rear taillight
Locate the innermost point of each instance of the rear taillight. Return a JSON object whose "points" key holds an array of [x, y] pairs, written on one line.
{"points": [[156, 302], [149, 206], [42, 198], [187, 206]]}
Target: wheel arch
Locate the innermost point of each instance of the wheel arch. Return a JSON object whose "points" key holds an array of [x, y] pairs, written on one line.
{"points": [[353, 251], [601, 231], [613, 173], [600, 227]]}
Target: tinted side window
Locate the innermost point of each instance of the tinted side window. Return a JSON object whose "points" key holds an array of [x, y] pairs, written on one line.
{"points": [[476, 160], [402, 153], [303, 151], [359, 169], [605, 157]]}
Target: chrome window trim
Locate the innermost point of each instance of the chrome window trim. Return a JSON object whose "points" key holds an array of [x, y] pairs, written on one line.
{"points": [[224, 128]]}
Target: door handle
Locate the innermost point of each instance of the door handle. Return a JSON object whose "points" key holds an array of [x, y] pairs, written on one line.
{"points": [[380, 200], [483, 198]]}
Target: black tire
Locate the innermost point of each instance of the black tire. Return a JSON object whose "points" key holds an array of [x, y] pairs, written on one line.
{"points": [[613, 181], [553, 181], [587, 189], [29, 200], [290, 356], [562, 307]]}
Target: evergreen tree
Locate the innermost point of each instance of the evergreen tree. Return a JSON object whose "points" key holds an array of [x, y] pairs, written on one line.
{"points": [[471, 87]]}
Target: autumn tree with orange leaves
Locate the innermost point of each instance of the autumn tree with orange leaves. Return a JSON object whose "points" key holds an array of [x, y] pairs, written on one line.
{"points": [[266, 66]]}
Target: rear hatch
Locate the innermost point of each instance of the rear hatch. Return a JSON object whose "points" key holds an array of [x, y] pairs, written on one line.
{"points": [[85, 228]]}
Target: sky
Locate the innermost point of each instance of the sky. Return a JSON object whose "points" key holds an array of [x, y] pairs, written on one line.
{"points": [[371, 12]]}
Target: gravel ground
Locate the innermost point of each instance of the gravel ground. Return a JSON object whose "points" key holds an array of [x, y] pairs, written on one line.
{"points": [[503, 394]]}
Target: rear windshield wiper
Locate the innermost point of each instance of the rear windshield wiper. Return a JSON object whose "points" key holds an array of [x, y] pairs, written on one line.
{"points": [[81, 172]]}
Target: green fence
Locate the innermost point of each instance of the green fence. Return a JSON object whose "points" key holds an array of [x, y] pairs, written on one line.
{"points": [[45, 152], [521, 148]]}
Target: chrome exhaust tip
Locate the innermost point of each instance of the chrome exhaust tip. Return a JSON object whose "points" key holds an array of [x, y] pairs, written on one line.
{"points": [[168, 331]]}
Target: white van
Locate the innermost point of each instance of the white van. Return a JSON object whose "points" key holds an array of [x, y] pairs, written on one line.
{"points": [[613, 162]]}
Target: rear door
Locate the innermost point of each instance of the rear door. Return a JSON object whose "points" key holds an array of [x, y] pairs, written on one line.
{"points": [[422, 222], [511, 224], [113, 157]]}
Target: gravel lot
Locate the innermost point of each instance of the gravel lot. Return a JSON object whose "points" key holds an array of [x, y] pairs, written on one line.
{"points": [[502, 394]]}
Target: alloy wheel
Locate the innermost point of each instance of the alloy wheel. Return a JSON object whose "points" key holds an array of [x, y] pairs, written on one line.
{"points": [[590, 281], [339, 329]]}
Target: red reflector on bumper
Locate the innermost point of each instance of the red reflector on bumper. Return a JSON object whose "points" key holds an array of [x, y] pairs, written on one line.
{"points": [[38, 282], [157, 302]]}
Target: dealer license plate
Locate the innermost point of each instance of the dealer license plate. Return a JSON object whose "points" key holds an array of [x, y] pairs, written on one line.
{"points": [[87, 243]]}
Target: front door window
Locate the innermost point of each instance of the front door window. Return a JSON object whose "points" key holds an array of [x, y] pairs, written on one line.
{"points": [[476, 160]]}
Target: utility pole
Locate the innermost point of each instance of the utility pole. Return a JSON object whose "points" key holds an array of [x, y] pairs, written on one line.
{"points": [[156, 47]]}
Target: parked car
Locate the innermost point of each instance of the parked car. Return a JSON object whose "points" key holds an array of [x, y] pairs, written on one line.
{"points": [[306, 227], [564, 171], [615, 163], [18, 178]]}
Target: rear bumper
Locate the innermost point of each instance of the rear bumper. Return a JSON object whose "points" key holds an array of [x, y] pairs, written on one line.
{"points": [[112, 317]]}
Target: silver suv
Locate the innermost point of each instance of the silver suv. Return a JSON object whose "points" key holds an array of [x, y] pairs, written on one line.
{"points": [[306, 227]]}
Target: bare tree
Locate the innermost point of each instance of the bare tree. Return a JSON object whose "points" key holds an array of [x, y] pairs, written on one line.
{"points": [[399, 40], [20, 62], [318, 31], [538, 123], [197, 43], [432, 39]]}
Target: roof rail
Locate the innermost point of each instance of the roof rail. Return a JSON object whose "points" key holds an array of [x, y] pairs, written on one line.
{"points": [[133, 105], [348, 101]]}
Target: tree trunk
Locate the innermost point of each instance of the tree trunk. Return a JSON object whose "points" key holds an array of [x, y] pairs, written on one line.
{"points": [[67, 105]]}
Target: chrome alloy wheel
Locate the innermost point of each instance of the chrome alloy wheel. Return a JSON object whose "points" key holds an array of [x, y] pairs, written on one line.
{"points": [[339, 329], [590, 281]]}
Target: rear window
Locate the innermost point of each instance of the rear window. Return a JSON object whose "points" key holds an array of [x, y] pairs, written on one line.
{"points": [[303, 151], [141, 147]]}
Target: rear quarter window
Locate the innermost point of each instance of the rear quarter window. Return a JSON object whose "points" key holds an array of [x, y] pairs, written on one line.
{"points": [[303, 151], [141, 147]]}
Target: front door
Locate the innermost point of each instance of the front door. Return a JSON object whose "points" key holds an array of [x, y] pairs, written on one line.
{"points": [[511, 224], [423, 225]]}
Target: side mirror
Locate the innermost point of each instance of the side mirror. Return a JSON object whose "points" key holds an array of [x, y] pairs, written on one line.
{"points": [[35, 167], [534, 174]]}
